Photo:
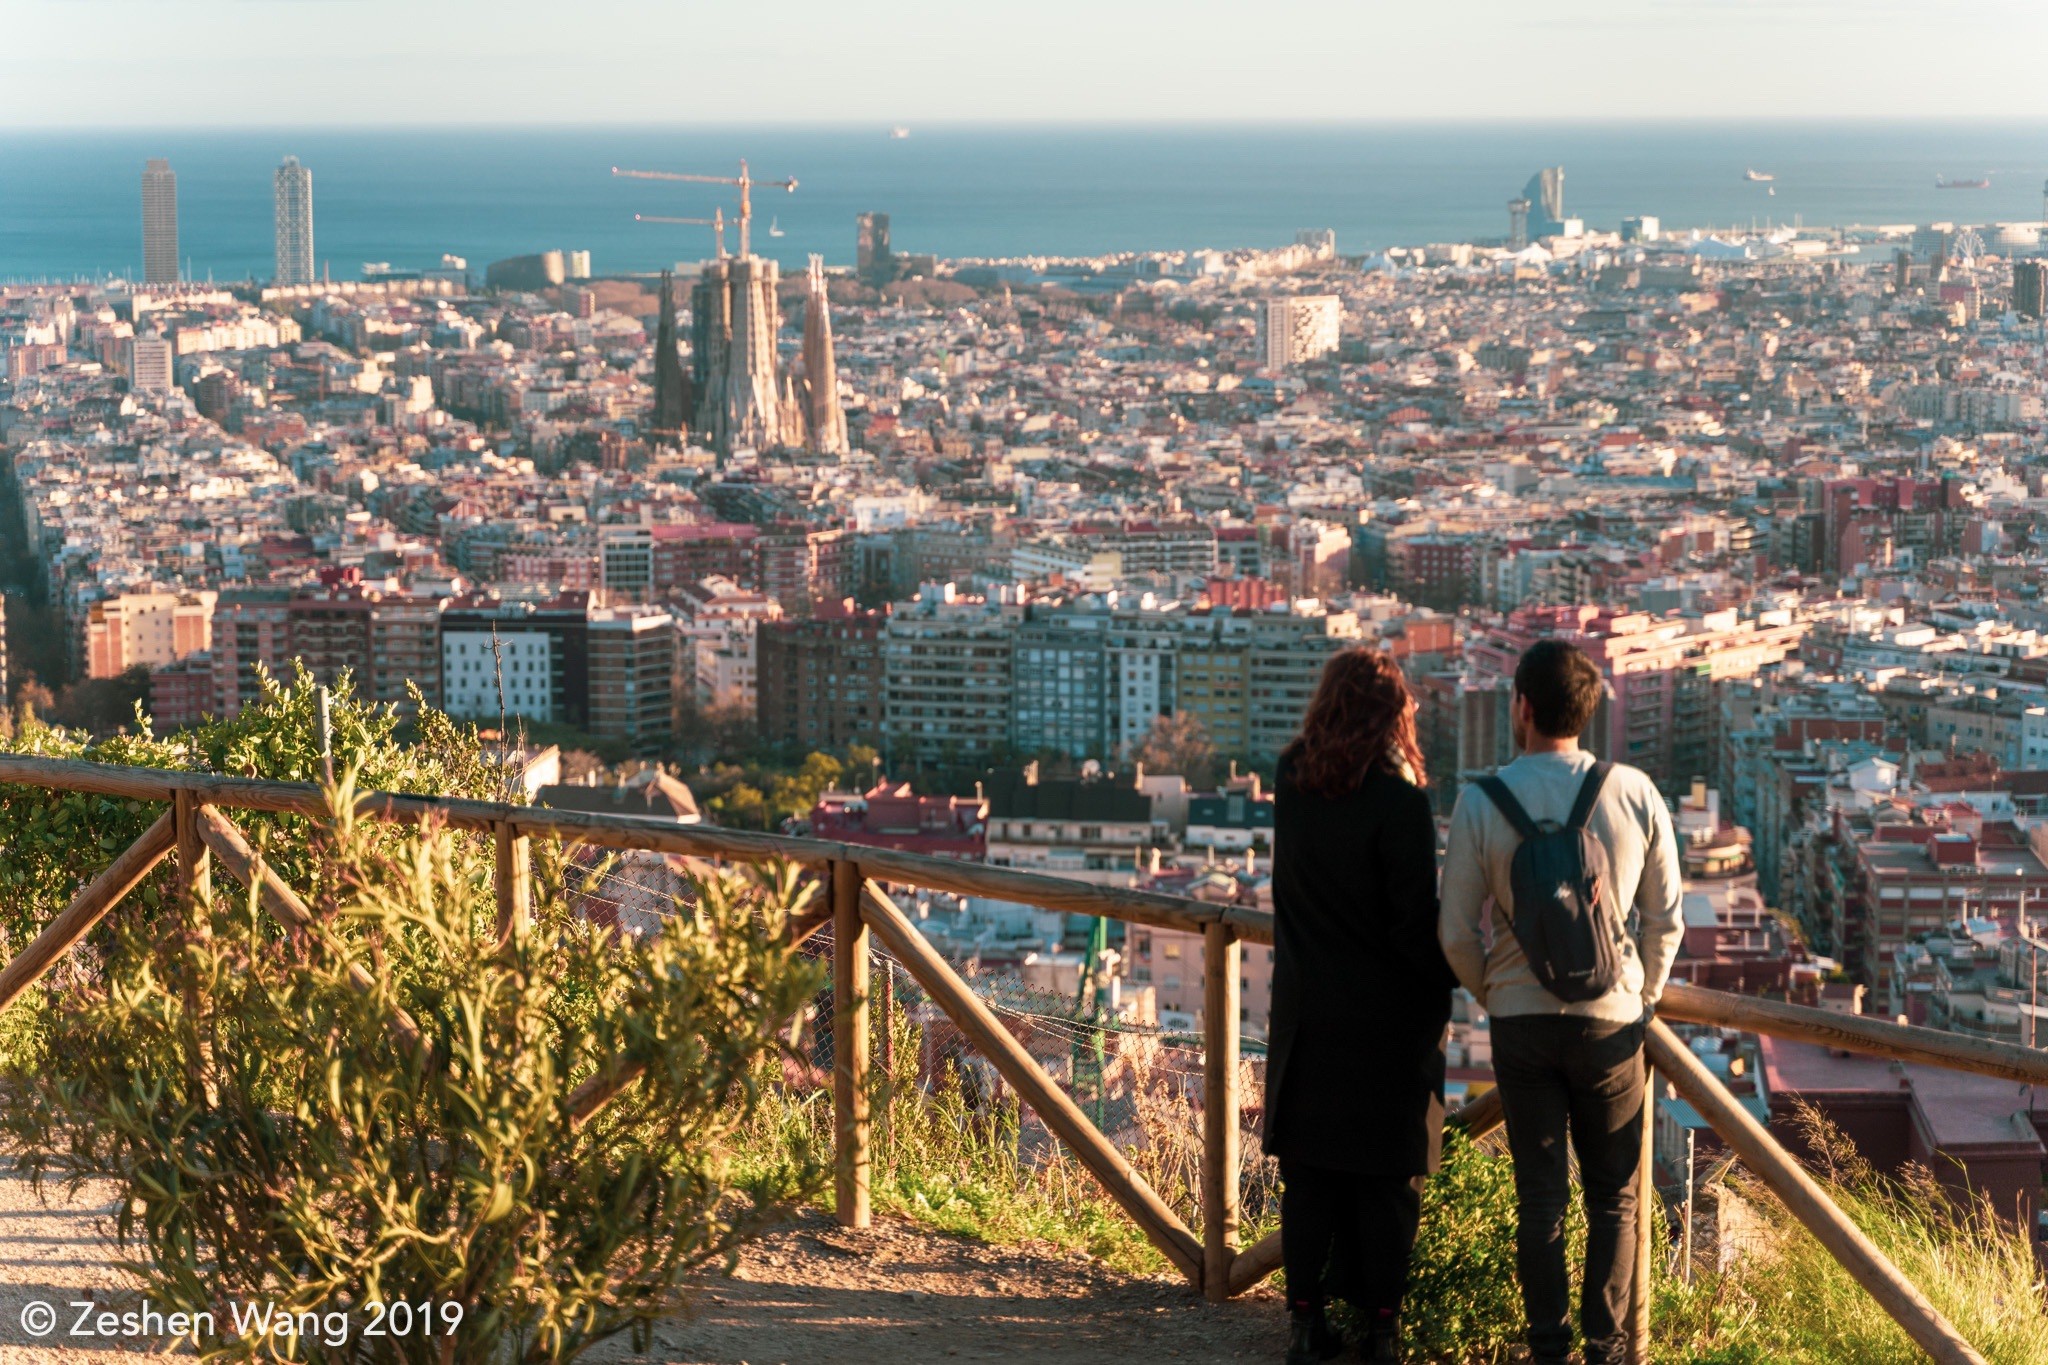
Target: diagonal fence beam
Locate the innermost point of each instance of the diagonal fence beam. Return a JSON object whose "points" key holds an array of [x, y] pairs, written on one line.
{"points": [[1476, 1117], [88, 908], [1808, 1202], [243, 864], [1854, 1032], [1053, 1105]]}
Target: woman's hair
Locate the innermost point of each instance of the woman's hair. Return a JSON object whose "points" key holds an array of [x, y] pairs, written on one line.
{"points": [[1362, 717]]}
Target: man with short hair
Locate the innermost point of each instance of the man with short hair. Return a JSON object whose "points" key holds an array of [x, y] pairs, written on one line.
{"points": [[1567, 1065]]}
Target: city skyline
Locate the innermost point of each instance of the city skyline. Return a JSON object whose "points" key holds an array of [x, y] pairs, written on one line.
{"points": [[1308, 59]]}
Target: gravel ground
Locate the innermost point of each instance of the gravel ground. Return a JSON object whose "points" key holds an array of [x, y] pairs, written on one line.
{"points": [[817, 1294], [811, 1293], [54, 1254]]}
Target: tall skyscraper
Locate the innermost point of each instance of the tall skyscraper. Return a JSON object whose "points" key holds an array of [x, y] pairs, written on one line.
{"points": [[824, 419], [1297, 328], [159, 222], [671, 402], [2030, 289], [294, 223], [1544, 211], [735, 317], [871, 254]]}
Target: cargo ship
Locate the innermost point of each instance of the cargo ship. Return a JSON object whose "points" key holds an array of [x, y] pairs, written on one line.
{"points": [[1760, 177], [1942, 182]]}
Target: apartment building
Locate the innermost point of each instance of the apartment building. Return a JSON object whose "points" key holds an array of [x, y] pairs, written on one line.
{"points": [[821, 681], [146, 630], [947, 694]]}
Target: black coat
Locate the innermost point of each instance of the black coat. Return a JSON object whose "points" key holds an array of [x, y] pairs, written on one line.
{"points": [[1361, 991]]}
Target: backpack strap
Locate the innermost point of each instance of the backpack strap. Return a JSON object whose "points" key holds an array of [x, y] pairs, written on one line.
{"points": [[1504, 801], [1589, 792]]}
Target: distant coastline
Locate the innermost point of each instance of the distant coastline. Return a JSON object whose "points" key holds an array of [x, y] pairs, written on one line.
{"points": [[69, 207]]}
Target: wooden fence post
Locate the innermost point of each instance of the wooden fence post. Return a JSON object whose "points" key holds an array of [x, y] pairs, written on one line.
{"points": [[195, 868], [849, 1047], [1222, 959], [1807, 1201], [1052, 1104], [514, 879]]}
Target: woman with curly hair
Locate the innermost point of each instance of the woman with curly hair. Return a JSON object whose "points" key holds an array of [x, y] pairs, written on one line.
{"points": [[1361, 1000]]}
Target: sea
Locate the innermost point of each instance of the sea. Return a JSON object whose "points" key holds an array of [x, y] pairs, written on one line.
{"points": [[70, 200]]}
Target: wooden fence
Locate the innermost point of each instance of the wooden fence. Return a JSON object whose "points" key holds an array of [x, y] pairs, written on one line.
{"points": [[859, 905]]}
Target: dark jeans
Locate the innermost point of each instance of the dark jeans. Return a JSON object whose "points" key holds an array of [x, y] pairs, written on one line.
{"points": [[1557, 1072], [1346, 1233]]}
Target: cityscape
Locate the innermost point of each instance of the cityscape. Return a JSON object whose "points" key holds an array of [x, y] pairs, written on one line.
{"points": [[1033, 562]]}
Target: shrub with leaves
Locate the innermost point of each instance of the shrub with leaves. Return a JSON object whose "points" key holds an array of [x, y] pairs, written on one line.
{"points": [[53, 842], [276, 1140]]}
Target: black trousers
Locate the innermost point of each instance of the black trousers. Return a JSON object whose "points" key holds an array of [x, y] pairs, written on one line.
{"points": [[1348, 1234], [1558, 1074]]}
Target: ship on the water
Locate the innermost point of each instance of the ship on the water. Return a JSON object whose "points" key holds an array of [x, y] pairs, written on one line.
{"points": [[1760, 177], [1942, 182]]}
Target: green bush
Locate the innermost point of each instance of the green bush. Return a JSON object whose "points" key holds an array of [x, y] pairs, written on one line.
{"points": [[1464, 1302], [272, 1144], [53, 842]]}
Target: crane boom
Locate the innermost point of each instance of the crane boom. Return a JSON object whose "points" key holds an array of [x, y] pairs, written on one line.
{"points": [[716, 222], [743, 180]]}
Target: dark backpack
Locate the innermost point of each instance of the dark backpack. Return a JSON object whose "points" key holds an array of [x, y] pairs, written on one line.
{"points": [[1570, 936]]}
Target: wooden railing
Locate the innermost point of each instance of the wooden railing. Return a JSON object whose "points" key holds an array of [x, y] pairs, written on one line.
{"points": [[859, 906]]}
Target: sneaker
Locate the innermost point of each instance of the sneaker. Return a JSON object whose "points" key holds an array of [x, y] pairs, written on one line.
{"points": [[1310, 1340]]}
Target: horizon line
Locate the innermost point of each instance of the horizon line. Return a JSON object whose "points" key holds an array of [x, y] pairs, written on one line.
{"points": [[1191, 123]]}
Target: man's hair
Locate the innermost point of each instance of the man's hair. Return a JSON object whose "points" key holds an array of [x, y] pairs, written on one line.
{"points": [[1562, 685]]}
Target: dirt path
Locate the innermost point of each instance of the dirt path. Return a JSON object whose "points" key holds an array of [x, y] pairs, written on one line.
{"points": [[817, 1294], [811, 1293]]}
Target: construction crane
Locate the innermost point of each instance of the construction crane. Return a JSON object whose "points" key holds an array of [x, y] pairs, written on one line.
{"points": [[745, 181], [716, 222]]}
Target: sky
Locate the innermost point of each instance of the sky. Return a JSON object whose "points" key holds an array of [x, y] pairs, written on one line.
{"points": [[295, 63]]}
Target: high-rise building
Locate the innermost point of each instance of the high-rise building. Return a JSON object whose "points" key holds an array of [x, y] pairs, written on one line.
{"points": [[671, 396], [294, 223], [159, 222], [579, 265], [821, 681], [824, 419], [1545, 193], [872, 256], [1518, 223], [149, 364], [2030, 289], [1297, 328], [735, 317], [632, 667]]}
